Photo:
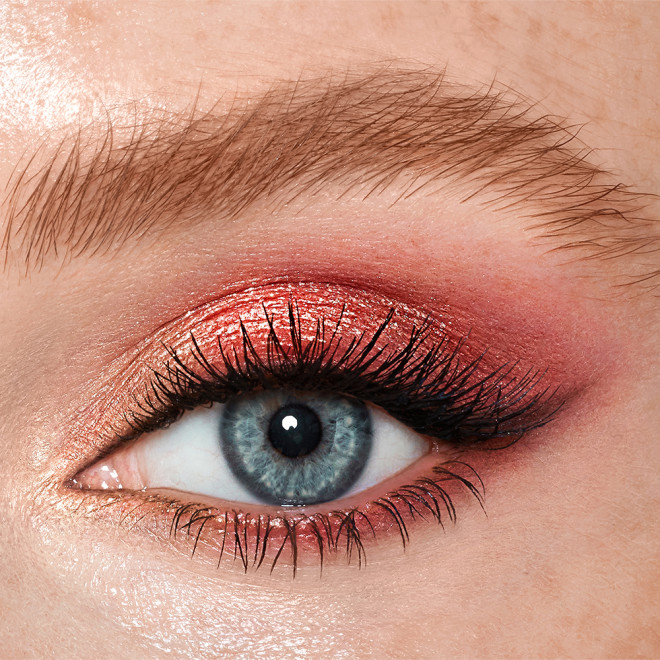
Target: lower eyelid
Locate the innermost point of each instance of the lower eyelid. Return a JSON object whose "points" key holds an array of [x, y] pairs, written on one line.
{"points": [[296, 537]]}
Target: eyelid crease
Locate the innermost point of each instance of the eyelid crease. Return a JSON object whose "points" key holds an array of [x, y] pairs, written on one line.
{"points": [[365, 131]]}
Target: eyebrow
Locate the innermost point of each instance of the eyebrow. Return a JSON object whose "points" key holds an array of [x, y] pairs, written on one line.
{"points": [[106, 185]]}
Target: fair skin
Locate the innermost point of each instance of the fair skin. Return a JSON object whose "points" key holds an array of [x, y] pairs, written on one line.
{"points": [[566, 562]]}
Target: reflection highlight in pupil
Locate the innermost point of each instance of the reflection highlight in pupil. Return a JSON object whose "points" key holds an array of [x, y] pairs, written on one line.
{"points": [[295, 430]]}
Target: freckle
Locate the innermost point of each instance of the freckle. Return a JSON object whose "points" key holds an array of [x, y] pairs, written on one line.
{"points": [[534, 28]]}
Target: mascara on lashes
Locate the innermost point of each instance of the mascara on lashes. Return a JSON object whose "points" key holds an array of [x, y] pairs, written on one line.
{"points": [[424, 384]]}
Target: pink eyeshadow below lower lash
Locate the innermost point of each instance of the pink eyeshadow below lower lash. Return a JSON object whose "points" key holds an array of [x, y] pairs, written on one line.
{"points": [[292, 538]]}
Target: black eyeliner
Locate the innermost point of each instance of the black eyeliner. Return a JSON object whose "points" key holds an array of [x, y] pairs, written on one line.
{"points": [[426, 387]]}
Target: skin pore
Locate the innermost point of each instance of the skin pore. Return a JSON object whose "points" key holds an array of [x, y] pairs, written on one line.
{"points": [[565, 562]]}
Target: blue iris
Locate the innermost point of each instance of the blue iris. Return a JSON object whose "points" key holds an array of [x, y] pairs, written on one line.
{"points": [[290, 447]]}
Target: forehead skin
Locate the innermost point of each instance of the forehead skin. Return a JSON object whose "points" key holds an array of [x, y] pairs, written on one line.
{"points": [[65, 63], [594, 62]]}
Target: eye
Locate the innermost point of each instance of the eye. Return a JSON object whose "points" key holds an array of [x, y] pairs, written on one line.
{"points": [[279, 447], [315, 423]]}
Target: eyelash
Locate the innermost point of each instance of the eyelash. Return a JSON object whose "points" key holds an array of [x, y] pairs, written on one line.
{"points": [[423, 386], [430, 392], [326, 529]]}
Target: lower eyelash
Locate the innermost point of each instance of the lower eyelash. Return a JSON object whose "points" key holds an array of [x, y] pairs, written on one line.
{"points": [[257, 540]]}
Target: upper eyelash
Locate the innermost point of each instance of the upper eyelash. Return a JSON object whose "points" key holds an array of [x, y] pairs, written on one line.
{"points": [[426, 388]]}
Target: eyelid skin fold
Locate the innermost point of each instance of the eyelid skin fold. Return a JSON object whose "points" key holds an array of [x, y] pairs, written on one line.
{"points": [[344, 531]]}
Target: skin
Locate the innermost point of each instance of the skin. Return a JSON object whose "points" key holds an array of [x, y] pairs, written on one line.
{"points": [[566, 564]]}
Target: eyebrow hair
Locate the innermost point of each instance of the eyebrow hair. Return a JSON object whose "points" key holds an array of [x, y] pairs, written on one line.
{"points": [[361, 132]]}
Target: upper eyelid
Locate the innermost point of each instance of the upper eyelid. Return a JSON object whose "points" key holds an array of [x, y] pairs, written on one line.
{"points": [[523, 396], [364, 131], [567, 359], [97, 424]]}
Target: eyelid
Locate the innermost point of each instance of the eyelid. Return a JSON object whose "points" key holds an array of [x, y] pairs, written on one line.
{"points": [[573, 360], [304, 537], [243, 313], [426, 388], [255, 314]]}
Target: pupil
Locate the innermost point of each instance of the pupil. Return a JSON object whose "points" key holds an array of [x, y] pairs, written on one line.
{"points": [[295, 430]]}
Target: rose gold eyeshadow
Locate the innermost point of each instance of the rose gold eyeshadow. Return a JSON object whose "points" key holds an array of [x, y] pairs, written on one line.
{"points": [[361, 312]]}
